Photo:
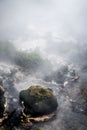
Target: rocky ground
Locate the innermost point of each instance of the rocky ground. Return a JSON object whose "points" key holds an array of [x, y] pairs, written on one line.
{"points": [[71, 96]]}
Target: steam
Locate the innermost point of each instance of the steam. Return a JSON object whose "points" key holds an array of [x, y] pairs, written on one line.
{"points": [[37, 18], [52, 26], [55, 28]]}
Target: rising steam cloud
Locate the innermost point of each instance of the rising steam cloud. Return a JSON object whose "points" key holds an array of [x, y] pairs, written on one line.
{"points": [[57, 29], [56, 26]]}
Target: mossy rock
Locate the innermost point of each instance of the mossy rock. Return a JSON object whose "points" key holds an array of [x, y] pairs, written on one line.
{"points": [[38, 100]]}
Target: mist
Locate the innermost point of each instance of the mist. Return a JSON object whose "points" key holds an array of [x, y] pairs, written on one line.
{"points": [[57, 29], [52, 26], [41, 20], [44, 42]]}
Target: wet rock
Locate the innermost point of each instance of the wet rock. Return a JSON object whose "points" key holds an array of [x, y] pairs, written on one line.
{"points": [[77, 92], [25, 121], [57, 77], [1, 80], [43, 118], [84, 91], [38, 100], [83, 100], [2, 101]]}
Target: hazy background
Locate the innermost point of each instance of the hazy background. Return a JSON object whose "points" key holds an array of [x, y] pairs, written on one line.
{"points": [[56, 26]]}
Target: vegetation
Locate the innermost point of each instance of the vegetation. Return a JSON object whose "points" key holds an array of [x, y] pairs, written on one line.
{"points": [[28, 60], [36, 93], [37, 129], [40, 91]]}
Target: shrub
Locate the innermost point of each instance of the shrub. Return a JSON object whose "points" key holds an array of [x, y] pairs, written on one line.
{"points": [[27, 60]]}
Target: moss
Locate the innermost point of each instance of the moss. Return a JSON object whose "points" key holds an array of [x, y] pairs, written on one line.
{"points": [[37, 129], [39, 91]]}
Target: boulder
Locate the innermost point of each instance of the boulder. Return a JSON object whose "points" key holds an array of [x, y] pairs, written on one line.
{"points": [[38, 100], [2, 101]]}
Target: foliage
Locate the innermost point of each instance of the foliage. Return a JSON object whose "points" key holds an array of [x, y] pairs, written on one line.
{"points": [[27, 60], [37, 129]]}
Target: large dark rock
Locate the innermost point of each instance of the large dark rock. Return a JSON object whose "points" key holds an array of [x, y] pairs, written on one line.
{"points": [[2, 101], [38, 100]]}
